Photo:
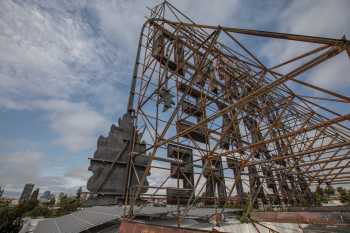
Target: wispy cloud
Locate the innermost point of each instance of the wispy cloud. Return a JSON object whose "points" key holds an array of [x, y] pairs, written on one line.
{"points": [[23, 167], [75, 124], [317, 18]]}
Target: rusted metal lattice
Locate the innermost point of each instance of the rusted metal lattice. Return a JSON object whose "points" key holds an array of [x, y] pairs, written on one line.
{"points": [[221, 128]]}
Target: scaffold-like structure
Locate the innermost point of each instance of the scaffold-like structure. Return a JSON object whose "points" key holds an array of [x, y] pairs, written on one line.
{"points": [[222, 128]]}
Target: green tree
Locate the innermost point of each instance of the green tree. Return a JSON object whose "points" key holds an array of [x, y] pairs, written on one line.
{"points": [[39, 211], [67, 205], [79, 191], [61, 196], [11, 219], [320, 196], [340, 190], [52, 200], [329, 190], [319, 190], [344, 196]]}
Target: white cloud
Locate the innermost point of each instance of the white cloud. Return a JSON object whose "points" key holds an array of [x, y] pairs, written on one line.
{"points": [[39, 50], [75, 123], [121, 20], [334, 74], [80, 173], [316, 18], [56, 50], [23, 167], [210, 12], [20, 167]]}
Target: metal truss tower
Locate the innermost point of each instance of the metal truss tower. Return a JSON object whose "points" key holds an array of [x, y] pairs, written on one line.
{"points": [[222, 126]]}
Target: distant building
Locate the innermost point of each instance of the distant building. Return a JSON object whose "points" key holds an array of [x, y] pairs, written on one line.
{"points": [[2, 189], [35, 194], [46, 195], [27, 191], [84, 196], [14, 202]]}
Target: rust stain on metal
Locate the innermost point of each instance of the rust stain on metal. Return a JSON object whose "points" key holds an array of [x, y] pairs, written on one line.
{"points": [[301, 217]]}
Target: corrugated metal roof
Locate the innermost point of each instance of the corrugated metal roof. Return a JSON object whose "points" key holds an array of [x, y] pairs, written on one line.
{"points": [[80, 220], [90, 217], [206, 212], [154, 210]]}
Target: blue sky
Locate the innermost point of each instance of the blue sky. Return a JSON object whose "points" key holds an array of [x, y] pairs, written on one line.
{"points": [[65, 69]]}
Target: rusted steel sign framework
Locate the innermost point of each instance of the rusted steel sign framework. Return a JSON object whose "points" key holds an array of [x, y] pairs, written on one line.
{"points": [[221, 125]]}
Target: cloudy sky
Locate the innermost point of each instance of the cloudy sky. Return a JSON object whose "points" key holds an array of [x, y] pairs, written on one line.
{"points": [[65, 69]]}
